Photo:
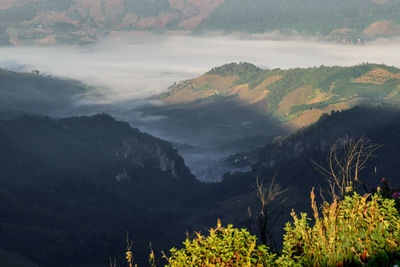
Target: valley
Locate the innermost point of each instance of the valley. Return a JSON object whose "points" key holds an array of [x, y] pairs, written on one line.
{"points": [[120, 179], [237, 108], [127, 118]]}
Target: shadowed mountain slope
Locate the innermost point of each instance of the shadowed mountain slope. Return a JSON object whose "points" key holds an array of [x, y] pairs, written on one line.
{"points": [[35, 93], [289, 159], [72, 188]]}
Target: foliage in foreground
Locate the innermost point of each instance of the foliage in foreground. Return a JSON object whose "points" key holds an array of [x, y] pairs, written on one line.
{"points": [[359, 230], [223, 247], [356, 231]]}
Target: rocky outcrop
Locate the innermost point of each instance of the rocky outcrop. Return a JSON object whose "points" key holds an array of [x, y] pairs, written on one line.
{"points": [[284, 150], [89, 142], [154, 153]]}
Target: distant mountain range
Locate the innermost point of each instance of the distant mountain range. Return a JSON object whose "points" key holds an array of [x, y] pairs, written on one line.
{"points": [[79, 21]]}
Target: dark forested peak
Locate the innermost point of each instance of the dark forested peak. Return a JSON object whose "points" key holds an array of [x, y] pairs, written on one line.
{"points": [[372, 121], [87, 142], [89, 178]]}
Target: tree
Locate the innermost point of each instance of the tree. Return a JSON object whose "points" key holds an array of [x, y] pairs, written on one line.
{"points": [[272, 206], [344, 163]]}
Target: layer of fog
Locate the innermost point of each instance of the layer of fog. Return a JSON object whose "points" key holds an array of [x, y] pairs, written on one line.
{"points": [[131, 68], [138, 66]]}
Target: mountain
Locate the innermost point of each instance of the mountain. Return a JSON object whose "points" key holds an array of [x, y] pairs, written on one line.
{"points": [[290, 160], [345, 21], [296, 97], [72, 188], [239, 107], [37, 93], [78, 21]]}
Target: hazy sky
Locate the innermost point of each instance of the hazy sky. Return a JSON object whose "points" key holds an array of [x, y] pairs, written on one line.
{"points": [[139, 66]]}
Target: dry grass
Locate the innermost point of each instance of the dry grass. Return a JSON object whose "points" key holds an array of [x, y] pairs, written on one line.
{"points": [[217, 82], [268, 81], [49, 40], [377, 76], [188, 92], [320, 97], [347, 104], [306, 118], [188, 95], [394, 92], [382, 28], [297, 97], [220, 85]]}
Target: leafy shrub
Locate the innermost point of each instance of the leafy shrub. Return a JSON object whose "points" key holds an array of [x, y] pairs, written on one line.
{"points": [[356, 231], [359, 230], [386, 191], [223, 247]]}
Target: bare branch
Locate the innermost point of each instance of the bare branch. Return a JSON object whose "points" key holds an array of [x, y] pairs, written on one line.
{"points": [[344, 163], [271, 202]]}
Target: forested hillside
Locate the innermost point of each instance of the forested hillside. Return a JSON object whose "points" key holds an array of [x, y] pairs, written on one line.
{"points": [[77, 21], [72, 188], [341, 20], [291, 160], [296, 97], [296, 167], [36, 93]]}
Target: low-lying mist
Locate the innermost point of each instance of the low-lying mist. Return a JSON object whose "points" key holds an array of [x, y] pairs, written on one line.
{"points": [[137, 66], [133, 67]]}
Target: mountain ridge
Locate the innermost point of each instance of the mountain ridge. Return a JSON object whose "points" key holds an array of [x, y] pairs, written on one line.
{"points": [[38, 93], [297, 96], [87, 181], [46, 22], [290, 159]]}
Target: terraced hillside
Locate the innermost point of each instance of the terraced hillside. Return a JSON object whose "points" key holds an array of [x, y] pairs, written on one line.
{"points": [[84, 21], [296, 97]]}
